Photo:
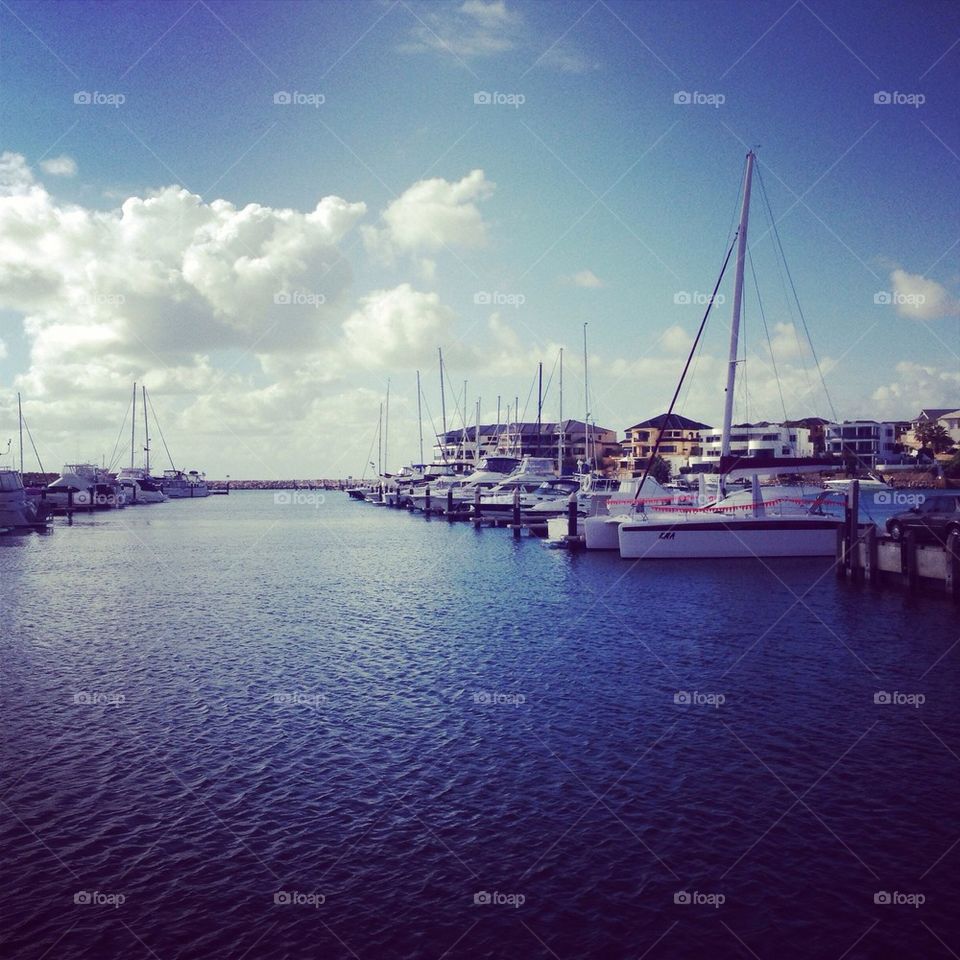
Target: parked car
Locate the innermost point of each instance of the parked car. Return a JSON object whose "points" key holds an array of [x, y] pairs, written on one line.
{"points": [[934, 519]]}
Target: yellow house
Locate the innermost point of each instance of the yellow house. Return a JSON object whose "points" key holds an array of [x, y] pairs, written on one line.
{"points": [[679, 440]]}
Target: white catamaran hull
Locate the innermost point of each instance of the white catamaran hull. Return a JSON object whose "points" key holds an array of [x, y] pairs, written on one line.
{"points": [[602, 533], [753, 537]]}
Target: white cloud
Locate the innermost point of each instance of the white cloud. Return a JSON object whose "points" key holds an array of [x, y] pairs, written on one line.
{"points": [[566, 58], [62, 166], [433, 214], [917, 386], [918, 298], [787, 343], [3, 350], [585, 278]]}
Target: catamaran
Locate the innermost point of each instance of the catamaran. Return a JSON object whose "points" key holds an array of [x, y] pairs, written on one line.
{"points": [[786, 528]]}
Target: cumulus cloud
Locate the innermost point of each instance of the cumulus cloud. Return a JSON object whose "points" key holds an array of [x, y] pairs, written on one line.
{"points": [[475, 28], [916, 386], [916, 297], [3, 350], [585, 278], [62, 166], [433, 214]]}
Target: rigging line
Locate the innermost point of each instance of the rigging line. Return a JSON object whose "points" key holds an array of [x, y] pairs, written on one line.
{"points": [[766, 330], [156, 420], [113, 456], [32, 444], [803, 319], [686, 367], [433, 428], [367, 462]]}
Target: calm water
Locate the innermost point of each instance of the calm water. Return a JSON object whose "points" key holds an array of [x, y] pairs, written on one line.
{"points": [[382, 720]]}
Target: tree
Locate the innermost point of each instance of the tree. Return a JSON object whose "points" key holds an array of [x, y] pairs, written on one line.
{"points": [[661, 470], [933, 436]]}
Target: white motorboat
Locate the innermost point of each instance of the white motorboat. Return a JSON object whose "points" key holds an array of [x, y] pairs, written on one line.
{"points": [[184, 485], [529, 475], [460, 492], [83, 486], [756, 529], [600, 528], [139, 487], [18, 511]]}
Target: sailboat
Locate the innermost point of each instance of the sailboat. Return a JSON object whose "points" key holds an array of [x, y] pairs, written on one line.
{"points": [[137, 484], [788, 527]]}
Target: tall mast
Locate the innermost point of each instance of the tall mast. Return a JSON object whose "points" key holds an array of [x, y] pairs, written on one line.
{"points": [[463, 434], [443, 403], [476, 438], [380, 442], [517, 438], [20, 418], [386, 430], [561, 431], [146, 433], [586, 400], [737, 301], [539, 405], [420, 417], [133, 425]]}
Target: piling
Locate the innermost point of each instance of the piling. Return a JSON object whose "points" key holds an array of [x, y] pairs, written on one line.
{"points": [[426, 500], [953, 565], [572, 515], [908, 559], [477, 507], [516, 513], [449, 503]]}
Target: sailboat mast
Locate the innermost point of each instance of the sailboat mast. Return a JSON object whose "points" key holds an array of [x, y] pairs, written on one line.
{"points": [[133, 426], [443, 403], [386, 429], [539, 405], [737, 302], [420, 416], [561, 430], [380, 442], [586, 400], [476, 455], [20, 420], [146, 434]]}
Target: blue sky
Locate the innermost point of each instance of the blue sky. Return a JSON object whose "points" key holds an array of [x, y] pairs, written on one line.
{"points": [[601, 200]]}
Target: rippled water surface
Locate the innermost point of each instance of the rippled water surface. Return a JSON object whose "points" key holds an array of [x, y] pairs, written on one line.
{"points": [[425, 740]]}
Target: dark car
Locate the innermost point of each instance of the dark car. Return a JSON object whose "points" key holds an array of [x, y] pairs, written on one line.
{"points": [[934, 519]]}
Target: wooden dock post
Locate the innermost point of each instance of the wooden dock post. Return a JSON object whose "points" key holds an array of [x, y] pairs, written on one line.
{"points": [[853, 531], [516, 513], [908, 560], [426, 500], [572, 515], [477, 507], [870, 546], [953, 566]]}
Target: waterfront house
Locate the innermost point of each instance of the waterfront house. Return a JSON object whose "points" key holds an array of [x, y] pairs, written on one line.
{"points": [[679, 440]]}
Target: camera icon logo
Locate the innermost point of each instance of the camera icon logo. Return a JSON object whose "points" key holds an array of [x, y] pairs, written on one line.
{"points": [[82, 96], [82, 897], [882, 297], [681, 897], [481, 898], [682, 96], [482, 297], [882, 96], [282, 898], [681, 696], [282, 97], [881, 696], [482, 97], [881, 896], [282, 297], [282, 498], [681, 297]]}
